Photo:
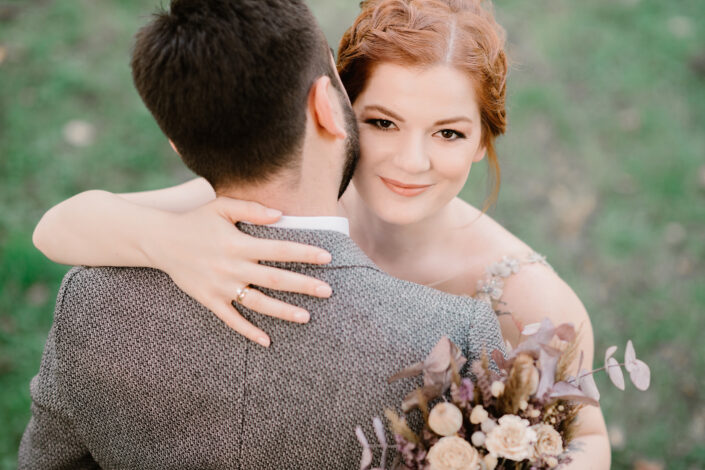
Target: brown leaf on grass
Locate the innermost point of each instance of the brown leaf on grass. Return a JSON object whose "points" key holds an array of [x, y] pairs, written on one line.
{"points": [[697, 64], [3, 54], [643, 464], [79, 133]]}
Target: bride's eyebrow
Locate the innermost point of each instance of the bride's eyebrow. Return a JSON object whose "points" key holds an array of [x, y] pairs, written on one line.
{"points": [[443, 122], [384, 110]]}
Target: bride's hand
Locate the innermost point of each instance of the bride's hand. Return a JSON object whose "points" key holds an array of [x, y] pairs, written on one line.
{"points": [[211, 260]]}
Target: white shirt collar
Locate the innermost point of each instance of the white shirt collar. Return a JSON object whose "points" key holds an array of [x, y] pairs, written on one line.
{"points": [[336, 224]]}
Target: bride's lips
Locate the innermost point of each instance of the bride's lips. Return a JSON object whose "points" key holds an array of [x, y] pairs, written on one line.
{"points": [[403, 189]]}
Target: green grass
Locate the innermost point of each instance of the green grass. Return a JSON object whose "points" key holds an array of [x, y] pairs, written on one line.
{"points": [[606, 116]]}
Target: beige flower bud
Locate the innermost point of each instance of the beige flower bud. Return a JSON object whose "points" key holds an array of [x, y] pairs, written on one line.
{"points": [[490, 461], [523, 405], [534, 413], [488, 425], [453, 453], [552, 462], [497, 388], [478, 438], [478, 415], [445, 419]]}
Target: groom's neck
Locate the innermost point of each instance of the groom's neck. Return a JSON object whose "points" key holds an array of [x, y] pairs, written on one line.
{"points": [[293, 197]]}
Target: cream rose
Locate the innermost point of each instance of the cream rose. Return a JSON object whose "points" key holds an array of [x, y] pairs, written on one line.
{"points": [[453, 453], [548, 441], [512, 439]]}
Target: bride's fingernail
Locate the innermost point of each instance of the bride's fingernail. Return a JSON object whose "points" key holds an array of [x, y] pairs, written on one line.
{"points": [[273, 213], [324, 258], [301, 316], [264, 341], [324, 291]]}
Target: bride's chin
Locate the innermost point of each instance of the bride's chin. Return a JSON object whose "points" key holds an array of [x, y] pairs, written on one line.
{"points": [[393, 214]]}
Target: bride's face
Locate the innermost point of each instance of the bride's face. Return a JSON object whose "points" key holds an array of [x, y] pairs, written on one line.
{"points": [[419, 135]]}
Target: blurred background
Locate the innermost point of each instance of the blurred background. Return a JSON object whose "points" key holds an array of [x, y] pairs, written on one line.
{"points": [[603, 172]]}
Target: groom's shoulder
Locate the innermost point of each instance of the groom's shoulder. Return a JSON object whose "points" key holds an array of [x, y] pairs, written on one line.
{"points": [[96, 291], [401, 292], [86, 280]]}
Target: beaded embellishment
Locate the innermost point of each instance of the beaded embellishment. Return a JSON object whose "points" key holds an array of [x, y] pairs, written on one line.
{"points": [[490, 288]]}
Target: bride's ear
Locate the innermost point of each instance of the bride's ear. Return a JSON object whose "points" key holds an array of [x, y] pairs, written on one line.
{"points": [[480, 154], [325, 108]]}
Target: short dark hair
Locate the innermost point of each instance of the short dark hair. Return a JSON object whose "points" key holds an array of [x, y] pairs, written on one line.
{"points": [[228, 81]]}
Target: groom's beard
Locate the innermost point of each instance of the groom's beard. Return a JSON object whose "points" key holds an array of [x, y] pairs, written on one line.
{"points": [[352, 146]]}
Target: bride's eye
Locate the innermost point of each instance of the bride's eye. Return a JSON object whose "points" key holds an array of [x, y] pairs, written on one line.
{"points": [[450, 134], [381, 124]]}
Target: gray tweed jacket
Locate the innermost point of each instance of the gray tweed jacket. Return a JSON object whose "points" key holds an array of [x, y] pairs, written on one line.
{"points": [[136, 374]]}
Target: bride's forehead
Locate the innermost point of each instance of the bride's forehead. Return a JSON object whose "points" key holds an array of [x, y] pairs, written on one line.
{"points": [[426, 90]]}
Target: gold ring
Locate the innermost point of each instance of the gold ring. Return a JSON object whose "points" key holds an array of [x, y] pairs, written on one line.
{"points": [[241, 293]]}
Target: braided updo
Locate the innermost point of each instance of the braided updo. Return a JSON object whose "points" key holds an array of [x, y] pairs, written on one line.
{"points": [[459, 33]]}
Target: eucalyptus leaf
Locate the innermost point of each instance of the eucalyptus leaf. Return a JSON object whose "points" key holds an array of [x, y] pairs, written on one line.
{"points": [[566, 391], [587, 385], [615, 373], [366, 459], [640, 375], [566, 332], [548, 362], [629, 357], [382, 438]]}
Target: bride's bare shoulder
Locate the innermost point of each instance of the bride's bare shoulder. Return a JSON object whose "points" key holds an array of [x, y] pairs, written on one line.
{"points": [[533, 290]]}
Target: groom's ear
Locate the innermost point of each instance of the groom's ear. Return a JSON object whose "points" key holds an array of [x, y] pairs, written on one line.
{"points": [[173, 146], [325, 106]]}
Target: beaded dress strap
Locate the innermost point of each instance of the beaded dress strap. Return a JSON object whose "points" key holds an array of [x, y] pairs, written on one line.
{"points": [[490, 288]]}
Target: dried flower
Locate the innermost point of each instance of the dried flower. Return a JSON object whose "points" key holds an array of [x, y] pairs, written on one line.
{"points": [[478, 415], [548, 441], [478, 438], [513, 439], [490, 461], [453, 453], [488, 425], [497, 388], [445, 419]]}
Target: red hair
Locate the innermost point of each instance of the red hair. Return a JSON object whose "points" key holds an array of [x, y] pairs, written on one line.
{"points": [[460, 33]]}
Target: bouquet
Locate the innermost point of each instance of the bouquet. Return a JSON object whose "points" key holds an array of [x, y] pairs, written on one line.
{"points": [[519, 415]]}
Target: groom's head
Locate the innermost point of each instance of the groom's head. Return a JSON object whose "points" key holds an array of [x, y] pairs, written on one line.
{"points": [[232, 84]]}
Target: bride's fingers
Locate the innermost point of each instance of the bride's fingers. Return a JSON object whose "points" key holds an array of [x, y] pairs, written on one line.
{"points": [[287, 252], [237, 322], [283, 280], [260, 303], [236, 210]]}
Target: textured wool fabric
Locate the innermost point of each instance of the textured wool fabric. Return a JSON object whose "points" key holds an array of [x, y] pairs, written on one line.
{"points": [[136, 374]]}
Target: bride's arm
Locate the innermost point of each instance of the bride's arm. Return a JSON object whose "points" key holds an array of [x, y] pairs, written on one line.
{"points": [[98, 228], [189, 234], [535, 293]]}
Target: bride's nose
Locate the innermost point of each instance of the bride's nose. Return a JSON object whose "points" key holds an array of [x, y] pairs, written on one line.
{"points": [[412, 156]]}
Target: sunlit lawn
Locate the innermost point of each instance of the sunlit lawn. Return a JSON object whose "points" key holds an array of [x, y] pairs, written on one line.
{"points": [[603, 172]]}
